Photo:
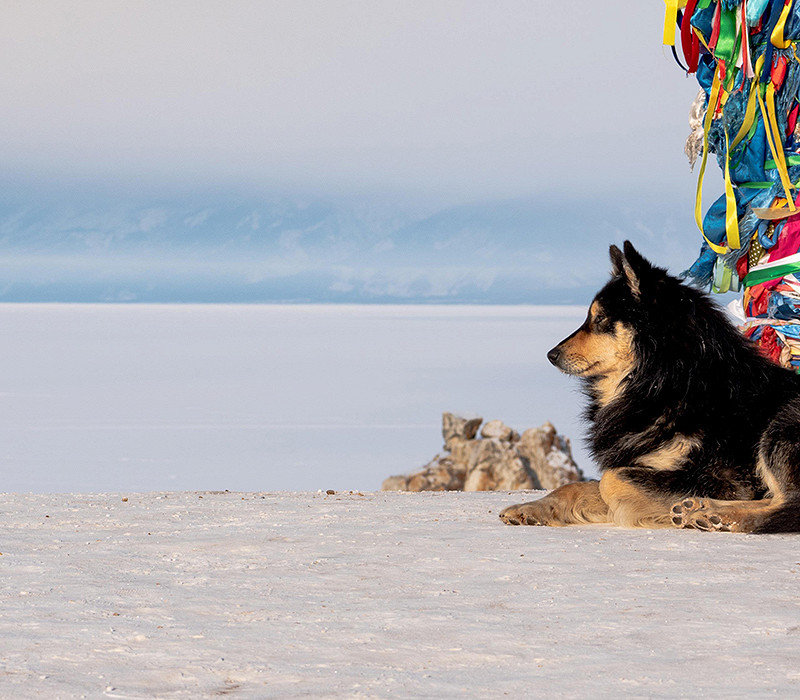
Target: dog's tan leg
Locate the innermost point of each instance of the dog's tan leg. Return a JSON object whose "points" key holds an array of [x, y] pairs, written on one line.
{"points": [[723, 516], [633, 505], [571, 504]]}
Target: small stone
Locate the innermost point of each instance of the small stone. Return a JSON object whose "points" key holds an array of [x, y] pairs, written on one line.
{"points": [[330, 492], [497, 429], [459, 427]]}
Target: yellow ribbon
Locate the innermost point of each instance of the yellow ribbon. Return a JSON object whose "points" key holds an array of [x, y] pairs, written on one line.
{"points": [[671, 20], [713, 99], [731, 218], [731, 213], [777, 34], [767, 105], [749, 112]]}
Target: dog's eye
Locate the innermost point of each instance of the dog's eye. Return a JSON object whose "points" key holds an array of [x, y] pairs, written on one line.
{"points": [[599, 317]]}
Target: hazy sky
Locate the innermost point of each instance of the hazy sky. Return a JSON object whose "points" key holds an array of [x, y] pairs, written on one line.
{"points": [[466, 98]]}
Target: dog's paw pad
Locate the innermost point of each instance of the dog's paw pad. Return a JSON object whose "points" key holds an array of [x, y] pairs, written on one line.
{"points": [[699, 513], [701, 523], [682, 512], [711, 522], [717, 523]]}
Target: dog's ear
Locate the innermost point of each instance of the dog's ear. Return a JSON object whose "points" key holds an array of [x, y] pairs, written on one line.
{"points": [[635, 259], [616, 260], [634, 268]]}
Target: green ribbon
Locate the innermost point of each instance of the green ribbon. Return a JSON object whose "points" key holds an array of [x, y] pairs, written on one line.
{"points": [[769, 163], [754, 185], [726, 42], [770, 273]]}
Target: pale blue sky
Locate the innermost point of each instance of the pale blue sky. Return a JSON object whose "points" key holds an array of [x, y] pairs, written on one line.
{"points": [[337, 150], [461, 98]]}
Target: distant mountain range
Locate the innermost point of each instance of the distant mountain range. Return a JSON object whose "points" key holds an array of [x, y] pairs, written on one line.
{"points": [[221, 248]]}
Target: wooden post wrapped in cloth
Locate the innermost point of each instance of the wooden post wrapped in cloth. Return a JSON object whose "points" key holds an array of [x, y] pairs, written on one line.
{"points": [[744, 55]]}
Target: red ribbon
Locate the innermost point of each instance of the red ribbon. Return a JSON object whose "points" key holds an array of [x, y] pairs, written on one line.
{"points": [[715, 22], [689, 41]]}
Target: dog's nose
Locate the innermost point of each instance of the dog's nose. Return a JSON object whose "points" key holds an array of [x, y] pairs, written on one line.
{"points": [[553, 355]]}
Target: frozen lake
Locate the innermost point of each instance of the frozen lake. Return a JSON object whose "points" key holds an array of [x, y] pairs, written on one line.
{"points": [[255, 398]]}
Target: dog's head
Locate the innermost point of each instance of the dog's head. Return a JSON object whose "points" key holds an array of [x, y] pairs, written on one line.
{"points": [[604, 346]]}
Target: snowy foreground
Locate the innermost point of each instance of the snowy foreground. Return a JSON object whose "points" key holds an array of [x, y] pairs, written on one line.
{"points": [[260, 595]]}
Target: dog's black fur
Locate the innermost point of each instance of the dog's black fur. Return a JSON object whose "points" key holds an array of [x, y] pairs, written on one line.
{"points": [[682, 409]]}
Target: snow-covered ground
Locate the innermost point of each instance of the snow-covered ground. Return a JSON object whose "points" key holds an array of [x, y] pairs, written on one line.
{"points": [[282, 595], [98, 398]]}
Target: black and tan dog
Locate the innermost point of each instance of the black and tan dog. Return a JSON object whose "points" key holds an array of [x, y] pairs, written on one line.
{"points": [[689, 424]]}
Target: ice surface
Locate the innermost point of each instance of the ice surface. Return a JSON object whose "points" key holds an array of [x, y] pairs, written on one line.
{"points": [[170, 397], [290, 595]]}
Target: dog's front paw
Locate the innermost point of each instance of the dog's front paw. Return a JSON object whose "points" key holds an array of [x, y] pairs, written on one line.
{"points": [[524, 514]]}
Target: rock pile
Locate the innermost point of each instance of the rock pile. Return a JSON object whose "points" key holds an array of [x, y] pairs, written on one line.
{"points": [[499, 460]]}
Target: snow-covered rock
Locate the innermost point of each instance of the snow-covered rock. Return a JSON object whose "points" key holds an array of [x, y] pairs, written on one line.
{"points": [[501, 460], [549, 456]]}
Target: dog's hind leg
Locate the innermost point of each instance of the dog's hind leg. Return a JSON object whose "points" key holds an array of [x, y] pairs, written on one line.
{"points": [[779, 469], [571, 504], [783, 518]]}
